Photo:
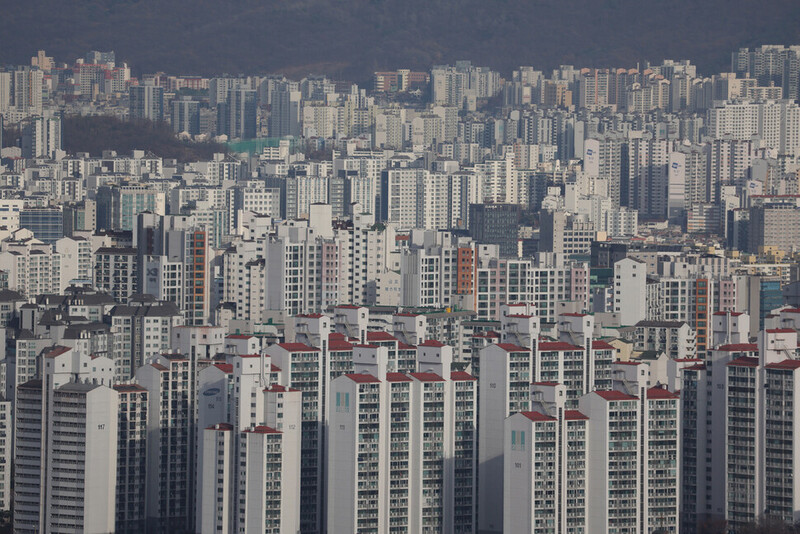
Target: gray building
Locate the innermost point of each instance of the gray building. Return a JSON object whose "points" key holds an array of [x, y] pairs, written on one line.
{"points": [[565, 233], [236, 117], [495, 224], [47, 224], [147, 102], [774, 226], [285, 105], [186, 116]]}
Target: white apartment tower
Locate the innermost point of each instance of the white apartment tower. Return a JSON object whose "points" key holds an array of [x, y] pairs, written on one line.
{"points": [[215, 491], [249, 462], [648, 176], [302, 368], [82, 498], [611, 465], [741, 399], [170, 443], [504, 384], [630, 280], [545, 467], [66, 445], [261, 477], [28, 91], [401, 452], [131, 495]]}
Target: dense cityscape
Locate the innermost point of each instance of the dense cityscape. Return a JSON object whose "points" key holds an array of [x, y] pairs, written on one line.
{"points": [[454, 300]]}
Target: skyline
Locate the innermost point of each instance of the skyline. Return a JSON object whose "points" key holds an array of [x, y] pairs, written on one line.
{"points": [[443, 300], [316, 37]]}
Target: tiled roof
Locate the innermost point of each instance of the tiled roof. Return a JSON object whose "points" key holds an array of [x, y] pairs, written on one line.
{"points": [[538, 416], [661, 393], [510, 347], [461, 375], [613, 395], [785, 364], [574, 415], [397, 377], [380, 336], [556, 346], [297, 347], [744, 361], [427, 377], [431, 343], [339, 345], [362, 378], [56, 351], [738, 347], [224, 367]]}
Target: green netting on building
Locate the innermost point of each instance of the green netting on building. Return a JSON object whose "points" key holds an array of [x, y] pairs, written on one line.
{"points": [[256, 146]]}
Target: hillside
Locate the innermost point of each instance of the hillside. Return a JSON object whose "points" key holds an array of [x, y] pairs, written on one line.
{"points": [[95, 134], [352, 39]]}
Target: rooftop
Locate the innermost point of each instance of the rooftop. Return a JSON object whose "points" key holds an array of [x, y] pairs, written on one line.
{"points": [[127, 388], [661, 393], [510, 347], [461, 375], [744, 361], [785, 364], [297, 347], [738, 347], [556, 346], [56, 351], [613, 395], [227, 427], [362, 378], [397, 377], [427, 377], [380, 336], [262, 429], [538, 416], [574, 415]]}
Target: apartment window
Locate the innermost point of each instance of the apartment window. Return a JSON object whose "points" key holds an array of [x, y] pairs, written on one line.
{"points": [[517, 440], [343, 402]]}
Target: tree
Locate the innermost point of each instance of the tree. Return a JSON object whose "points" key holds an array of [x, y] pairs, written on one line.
{"points": [[769, 525], [713, 526]]}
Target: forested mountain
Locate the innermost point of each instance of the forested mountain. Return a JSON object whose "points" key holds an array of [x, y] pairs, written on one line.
{"points": [[355, 37]]}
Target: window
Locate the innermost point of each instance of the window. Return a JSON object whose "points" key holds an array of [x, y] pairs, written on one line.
{"points": [[342, 406], [515, 437]]}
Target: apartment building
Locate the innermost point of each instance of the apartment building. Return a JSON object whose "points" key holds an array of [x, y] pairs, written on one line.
{"points": [[751, 421], [131, 494], [170, 447], [65, 445], [411, 438], [504, 384], [674, 338], [611, 462]]}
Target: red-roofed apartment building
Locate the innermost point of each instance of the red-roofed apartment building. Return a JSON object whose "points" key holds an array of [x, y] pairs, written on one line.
{"points": [[610, 464], [739, 439], [401, 452]]}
